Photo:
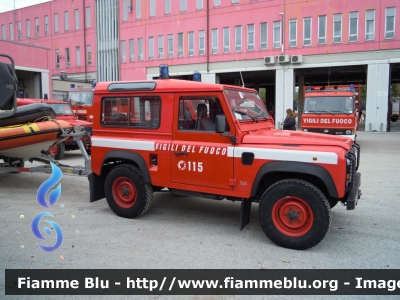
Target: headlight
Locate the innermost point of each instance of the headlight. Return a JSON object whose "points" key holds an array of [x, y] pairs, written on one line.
{"points": [[305, 130], [348, 131]]}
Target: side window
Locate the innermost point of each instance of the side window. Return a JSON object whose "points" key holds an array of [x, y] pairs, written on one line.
{"points": [[198, 113], [138, 112]]}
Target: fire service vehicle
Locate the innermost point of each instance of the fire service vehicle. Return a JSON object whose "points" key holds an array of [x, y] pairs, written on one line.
{"points": [[81, 100], [332, 110], [217, 142]]}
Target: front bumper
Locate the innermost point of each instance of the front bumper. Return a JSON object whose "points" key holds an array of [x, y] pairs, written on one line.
{"points": [[354, 194]]}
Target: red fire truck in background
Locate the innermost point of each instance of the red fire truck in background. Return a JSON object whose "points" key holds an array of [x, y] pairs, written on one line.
{"points": [[81, 100], [394, 109], [332, 110]]}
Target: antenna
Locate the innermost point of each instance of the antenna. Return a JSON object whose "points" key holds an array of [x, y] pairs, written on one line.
{"points": [[329, 74], [240, 71]]}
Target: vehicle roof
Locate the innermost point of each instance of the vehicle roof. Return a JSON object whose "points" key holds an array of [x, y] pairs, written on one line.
{"points": [[329, 93], [173, 85], [35, 100]]}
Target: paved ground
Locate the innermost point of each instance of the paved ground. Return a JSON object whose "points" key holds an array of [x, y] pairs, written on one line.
{"points": [[188, 232]]}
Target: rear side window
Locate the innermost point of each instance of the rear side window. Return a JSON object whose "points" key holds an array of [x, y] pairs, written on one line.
{"points": [[138, 112]]}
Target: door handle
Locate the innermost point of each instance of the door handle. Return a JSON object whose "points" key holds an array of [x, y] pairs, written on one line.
{"points": [[181, 153]]}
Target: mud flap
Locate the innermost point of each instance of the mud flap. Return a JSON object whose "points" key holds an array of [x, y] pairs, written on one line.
{"points": [[96, 187], [245, 209]]}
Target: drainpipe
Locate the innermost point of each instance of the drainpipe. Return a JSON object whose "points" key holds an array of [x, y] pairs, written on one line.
{"points": [[84, 38], [208, 38], [283, 31]]}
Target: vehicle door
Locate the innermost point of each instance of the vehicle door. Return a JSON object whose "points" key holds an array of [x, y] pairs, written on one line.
{"points": [[199, 155]]}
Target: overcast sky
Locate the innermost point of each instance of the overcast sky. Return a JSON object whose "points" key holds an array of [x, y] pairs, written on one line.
{"points": [[7, 5]]}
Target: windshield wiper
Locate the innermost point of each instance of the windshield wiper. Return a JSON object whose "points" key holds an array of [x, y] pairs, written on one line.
{"points": [[245, 114]]}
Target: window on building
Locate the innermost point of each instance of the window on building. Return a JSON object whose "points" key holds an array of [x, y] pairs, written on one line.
{"points": [[307, 32], [131, 50], [160, 46], [67, 58], [183, 5], [370, 25], [123, 51], [201, 42], [353, 26], [11, 32], [66, 23], [140, 45], [250, 37], [125, 4], [76, 19], [55, 23], [151, 47], [191, 43], [152, 8], [138, 9], [235, 1], [28, 28], [277, 34], [170, 45], [390, 21], [238, 38], [226, 37], [57, 58], [263, 36], [180, 44], [217, 2], [321, 30], [78, 56], [3, 32], [337, 28], [167, 6], [46, 25], [36, 26], [19, 30], [199, 4], [214, 42], [292, 33], [87, 16], [89, 54]]}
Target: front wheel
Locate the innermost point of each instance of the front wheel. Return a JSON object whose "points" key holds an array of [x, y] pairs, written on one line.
{"points": [[394, 118], [127, 194], [294, 214]]}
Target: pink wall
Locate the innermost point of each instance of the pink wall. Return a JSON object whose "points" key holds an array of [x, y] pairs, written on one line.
{"points": [[227, 14], [61, 40]]}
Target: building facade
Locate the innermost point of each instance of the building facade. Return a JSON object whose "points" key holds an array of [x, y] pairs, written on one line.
{"points": [[270, 44]]}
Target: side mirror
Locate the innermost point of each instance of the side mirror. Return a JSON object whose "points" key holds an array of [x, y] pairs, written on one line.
{"points": [[220, 121]]}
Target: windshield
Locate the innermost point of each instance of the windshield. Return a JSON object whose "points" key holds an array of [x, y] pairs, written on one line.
{"points": [[246, 105], [81, 98], [61, 109], [330, 105]]}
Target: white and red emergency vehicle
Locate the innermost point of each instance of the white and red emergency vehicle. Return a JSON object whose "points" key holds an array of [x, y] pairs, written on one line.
{"points": [[332, 110], [81, 101], [217, 142]]}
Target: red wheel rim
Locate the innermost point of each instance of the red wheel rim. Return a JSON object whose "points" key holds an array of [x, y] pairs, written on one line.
{"points": [[53, 150], [124, 192], [292, 216]]}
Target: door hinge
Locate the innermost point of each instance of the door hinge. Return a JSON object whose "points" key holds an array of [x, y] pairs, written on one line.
{"points": [[232, 182]]}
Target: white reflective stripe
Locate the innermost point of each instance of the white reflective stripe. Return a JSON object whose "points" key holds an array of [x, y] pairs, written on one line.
{"points": [[122, 144], [286, 155]]}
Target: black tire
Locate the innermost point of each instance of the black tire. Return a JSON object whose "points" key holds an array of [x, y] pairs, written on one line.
{"points": [[394, 118], [57, 151], [333, 202], [127, 194], [286, 202]]}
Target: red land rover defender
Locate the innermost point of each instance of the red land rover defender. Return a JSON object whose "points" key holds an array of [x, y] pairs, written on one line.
{"points": [[218, 142]]}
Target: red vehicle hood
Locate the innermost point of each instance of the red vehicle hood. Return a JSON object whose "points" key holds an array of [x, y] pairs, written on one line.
{"points": [[285, 137]]}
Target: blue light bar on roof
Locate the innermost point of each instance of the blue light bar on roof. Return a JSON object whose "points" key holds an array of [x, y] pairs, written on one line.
{"points": [[164, 72], [196, 76], [72, 85], [351, 87], [93, 84]]}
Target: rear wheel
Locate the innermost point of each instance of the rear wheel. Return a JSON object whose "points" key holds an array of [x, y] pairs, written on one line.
{"points": [[394, 118], [57, 151], [127, 194], [294, 214]]}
